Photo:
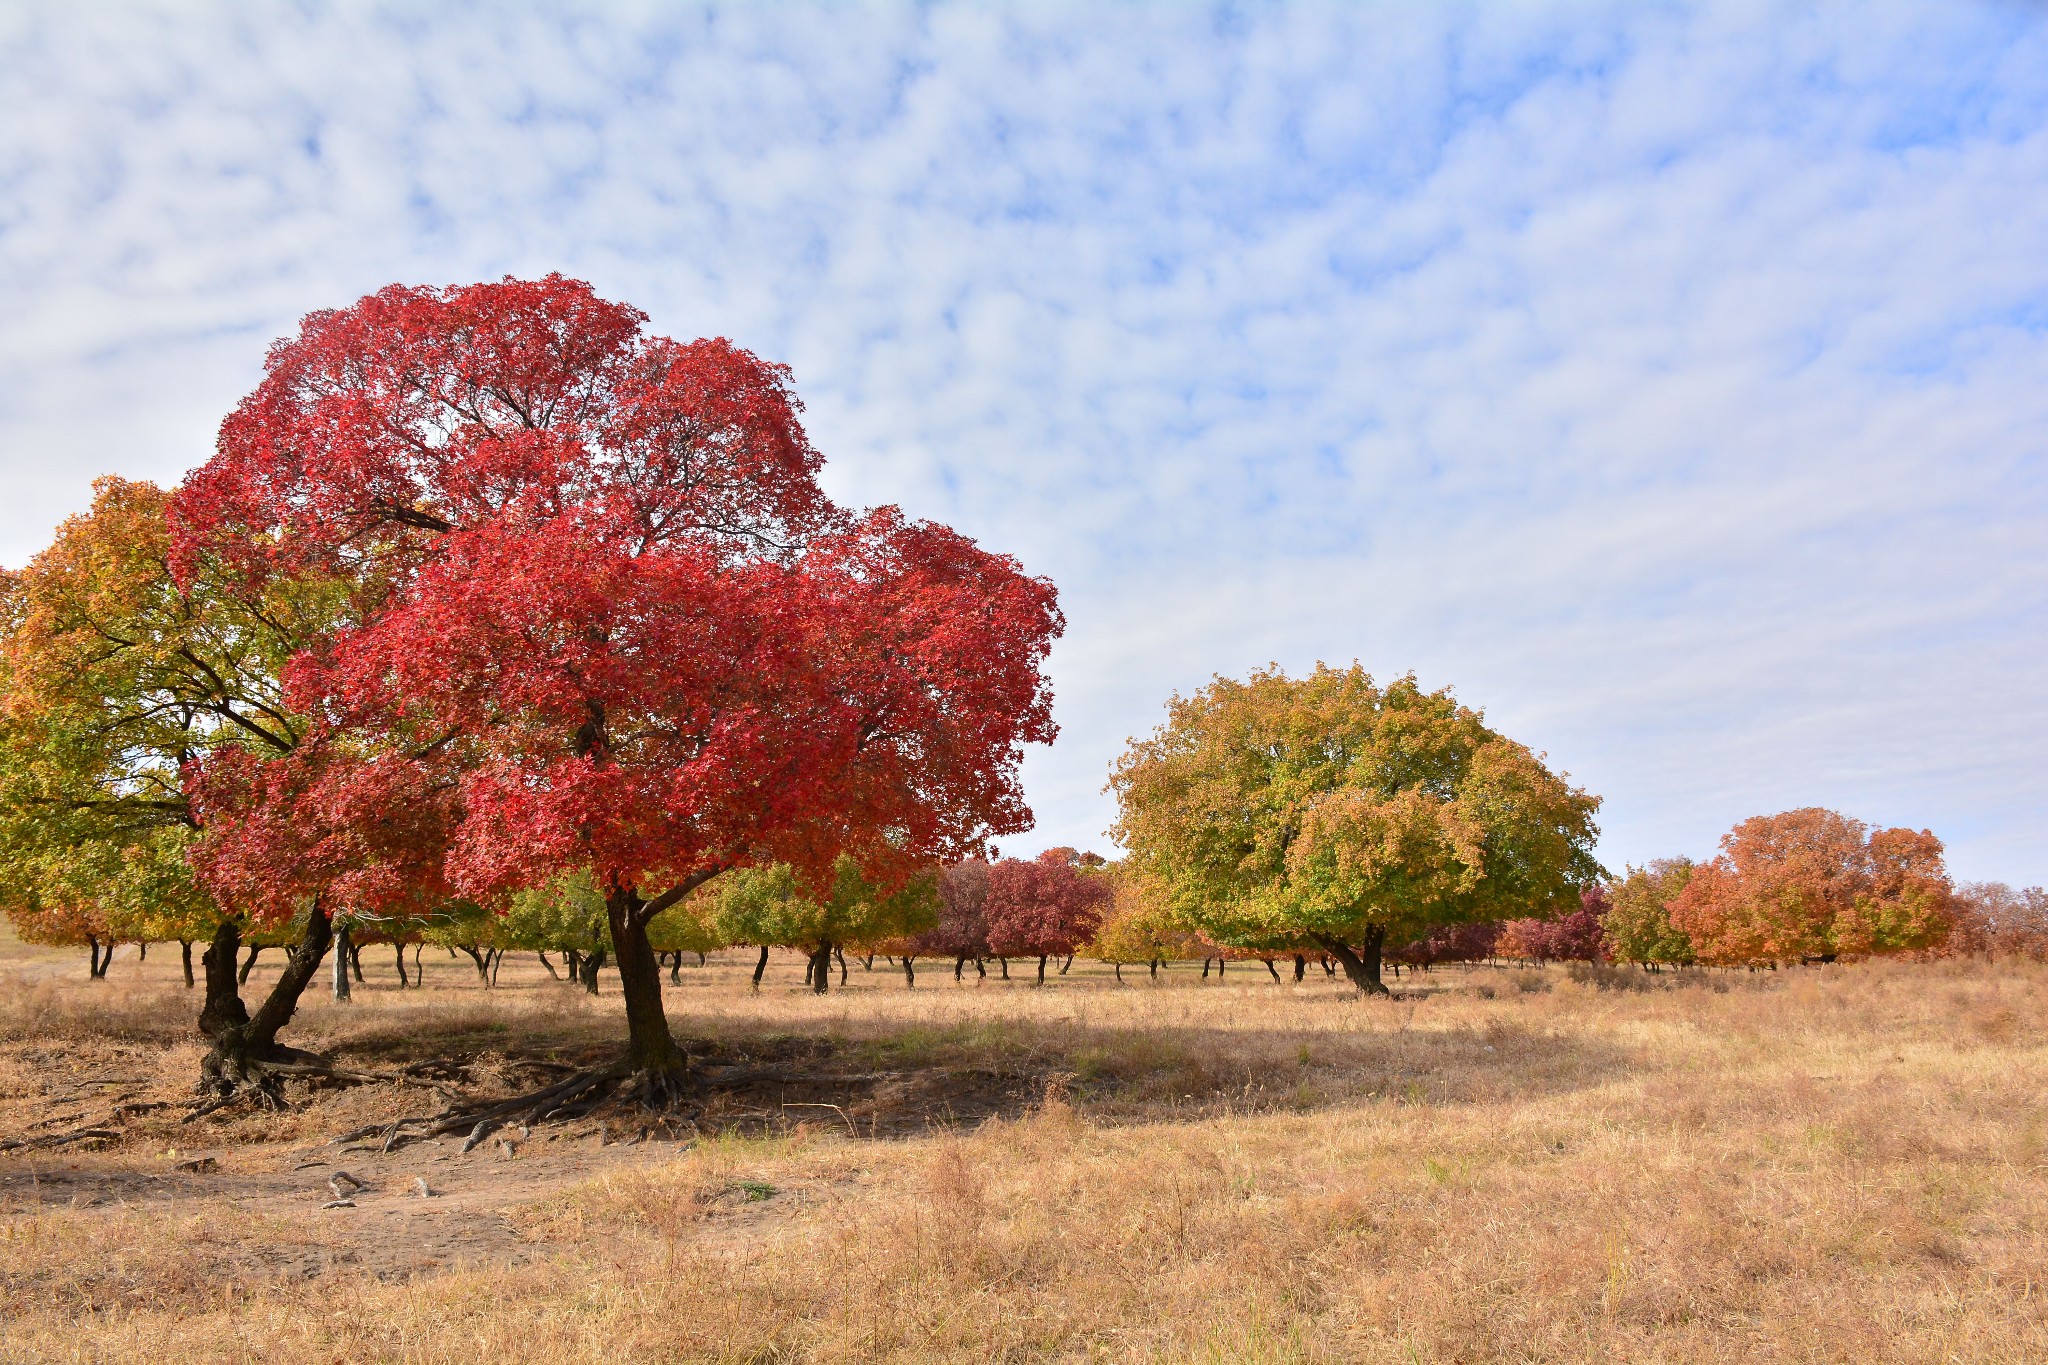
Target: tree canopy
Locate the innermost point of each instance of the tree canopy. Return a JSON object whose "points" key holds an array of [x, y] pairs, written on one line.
{"points": [[1333, 808]]}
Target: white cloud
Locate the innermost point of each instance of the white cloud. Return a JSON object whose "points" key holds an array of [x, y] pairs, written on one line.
{"points": [[1670, 380]]}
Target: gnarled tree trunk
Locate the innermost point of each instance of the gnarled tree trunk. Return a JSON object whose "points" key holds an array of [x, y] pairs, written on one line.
{"points": [[241, 1048], [1362, 965]]}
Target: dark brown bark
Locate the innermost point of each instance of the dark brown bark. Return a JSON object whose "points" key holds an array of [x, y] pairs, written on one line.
{"points": [[399, 950], [1155, 969], [909, 973], [1068, 963], [1300, 968], [1361, 965], [650, 1047], [959, 968], [355, 961], [185, 955], [1274, 970], [483, 968], [760, 966], [821, 968], [593, 963], [549, 965], [341, 992], [1006, 967], [223, 1008], [1041, 969], [1119, 967], [240, 1050], [249, 965]]}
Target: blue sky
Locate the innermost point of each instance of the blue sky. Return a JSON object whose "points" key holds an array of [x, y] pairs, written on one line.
{"points": [[1671, 380]]}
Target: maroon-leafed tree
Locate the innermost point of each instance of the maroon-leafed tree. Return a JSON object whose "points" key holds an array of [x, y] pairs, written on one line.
{"points": [[1045, 908], [593, 584]]}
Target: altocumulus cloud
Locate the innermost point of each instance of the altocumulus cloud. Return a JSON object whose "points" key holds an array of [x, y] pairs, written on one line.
{"points": [[1671, 380]]}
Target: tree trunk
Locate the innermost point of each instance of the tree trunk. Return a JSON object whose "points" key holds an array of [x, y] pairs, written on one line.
{"points": [[483, 971], [1328, 969], [1155, 969], [821, 968], [593, 963], [980, 970], [650, 1047], [549, 965], [255, 951], [185, 953], [399, 950], [341, 964], [1006, 967], [240, 1048], [573, 961], [497, 961], [1220, 963], [1205, 969], [1300, 968], [840, 953], [419, 973], [909, 973], [1274, 970], [959, 969], [1119, 968], [760, 966], [223, 1008], [92, 958], [355, 960], [1068, 963], [868, 962], [1041, 968], [1363, 966]]}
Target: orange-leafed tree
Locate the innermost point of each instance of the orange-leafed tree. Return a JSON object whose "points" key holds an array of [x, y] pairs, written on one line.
{"points": [[1814, 885]]}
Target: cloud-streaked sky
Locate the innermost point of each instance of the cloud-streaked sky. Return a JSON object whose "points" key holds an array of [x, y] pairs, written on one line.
{"points": [[1669, 379]]}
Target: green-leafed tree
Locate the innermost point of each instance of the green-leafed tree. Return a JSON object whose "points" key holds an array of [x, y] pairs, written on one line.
{"points": [[1333, 809], [1638, 921], [772, 907]]}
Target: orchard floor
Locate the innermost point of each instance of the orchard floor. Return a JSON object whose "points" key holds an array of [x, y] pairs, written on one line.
{"points": [[1832, 1164]]}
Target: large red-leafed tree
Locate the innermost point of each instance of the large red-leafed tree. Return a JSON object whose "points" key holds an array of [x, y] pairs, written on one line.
{"points": [[599, 595]]}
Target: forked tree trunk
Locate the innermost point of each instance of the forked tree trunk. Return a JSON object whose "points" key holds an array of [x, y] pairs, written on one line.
{"points": [[760, 966], [240, 1047], [650, 1047], [185, 955], [593, 963], [483, 968], [1363, 965]]}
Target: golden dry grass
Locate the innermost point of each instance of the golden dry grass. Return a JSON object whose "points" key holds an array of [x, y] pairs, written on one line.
{"points": [[1848, 1164]]}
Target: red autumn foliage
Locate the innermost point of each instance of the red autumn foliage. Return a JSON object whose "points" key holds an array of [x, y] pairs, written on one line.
{"points": [[599, 595], [1815, 884], [1048, 907], [1577, 937]]}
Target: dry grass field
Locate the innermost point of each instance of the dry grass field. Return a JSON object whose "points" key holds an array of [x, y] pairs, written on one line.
{"points": [[1838, 1164]]}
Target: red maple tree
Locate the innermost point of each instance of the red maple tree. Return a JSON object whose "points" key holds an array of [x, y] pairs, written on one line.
{"points": [[1047, 907], [598, 593]]}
